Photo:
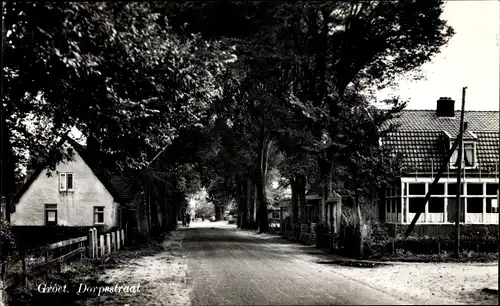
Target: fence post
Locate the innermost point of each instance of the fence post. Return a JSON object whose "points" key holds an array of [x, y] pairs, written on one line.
{"points": [[96, 241], [91, 249], [118, 240], [439, 248], [103, 250], [108, 243], [123, 237]]}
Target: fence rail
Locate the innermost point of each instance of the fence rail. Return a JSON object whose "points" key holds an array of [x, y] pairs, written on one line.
{"points": [[57, 254]]}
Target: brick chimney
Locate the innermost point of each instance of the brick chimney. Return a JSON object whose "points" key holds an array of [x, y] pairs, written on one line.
{"points": [[445, 107]]}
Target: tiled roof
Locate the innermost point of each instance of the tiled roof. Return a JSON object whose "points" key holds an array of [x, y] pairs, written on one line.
{"points": [[487, 147], [119, 187], [420, 149], [422, 138], [427, 120]]}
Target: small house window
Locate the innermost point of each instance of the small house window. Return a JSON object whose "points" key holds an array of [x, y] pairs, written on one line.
{"points": [[98, 215], [66, 182], [275, 214], [51, 214], [469, 155]]}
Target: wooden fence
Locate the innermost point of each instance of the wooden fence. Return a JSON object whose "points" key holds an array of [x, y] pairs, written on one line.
{"points": [[38, 261]]}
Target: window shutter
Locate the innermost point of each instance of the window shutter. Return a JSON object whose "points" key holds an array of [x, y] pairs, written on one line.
{"points": [[70, 181], [62, 182]]}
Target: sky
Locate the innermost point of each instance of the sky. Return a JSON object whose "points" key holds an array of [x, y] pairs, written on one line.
{"points": [[470, 59]]}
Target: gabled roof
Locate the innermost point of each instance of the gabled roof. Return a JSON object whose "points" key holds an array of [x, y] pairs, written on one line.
{"points": [[423, 138], [119, 187]]}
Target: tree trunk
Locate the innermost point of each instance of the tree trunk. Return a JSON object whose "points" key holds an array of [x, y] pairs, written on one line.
{"points": [[239, 199], [255, 205], [262, 212], [359, 227], [249, 200], [294, 201], [301, 190]]}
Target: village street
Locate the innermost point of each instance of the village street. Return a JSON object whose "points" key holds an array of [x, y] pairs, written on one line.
{"points": [[214, 263], [227, 266]]}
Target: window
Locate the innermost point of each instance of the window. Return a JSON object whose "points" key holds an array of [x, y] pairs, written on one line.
{"points": [[98, 215], [469, 155], [491, 189], [66, 182], [475, 205], [415, 205], [491, 206], [416, 189], [394, 206], [436, 205], [50, 214], [452, 189], [438, 189], [275, 214], [474, 189]]}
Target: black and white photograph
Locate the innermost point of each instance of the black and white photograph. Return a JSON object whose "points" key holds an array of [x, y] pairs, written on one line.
{"points": [[250, 153]]}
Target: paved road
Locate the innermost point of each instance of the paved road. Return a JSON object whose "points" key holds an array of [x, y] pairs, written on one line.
{"points": [[229, 267]]}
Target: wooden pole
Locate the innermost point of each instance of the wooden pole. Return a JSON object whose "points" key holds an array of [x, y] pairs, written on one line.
{"points": [[459, 177], [434, 183]]}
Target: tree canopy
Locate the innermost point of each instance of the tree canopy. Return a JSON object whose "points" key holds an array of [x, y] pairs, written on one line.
{"points": [[230, 92]]}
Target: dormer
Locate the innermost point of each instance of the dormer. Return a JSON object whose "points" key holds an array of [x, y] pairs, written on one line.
{"points": [[469, 155]]}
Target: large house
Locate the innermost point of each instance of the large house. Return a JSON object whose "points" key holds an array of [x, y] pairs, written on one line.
{"points": [[76, 194], [424, 137]]}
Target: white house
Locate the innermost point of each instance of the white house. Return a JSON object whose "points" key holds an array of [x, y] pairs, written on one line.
{"points": [[74, 194]]}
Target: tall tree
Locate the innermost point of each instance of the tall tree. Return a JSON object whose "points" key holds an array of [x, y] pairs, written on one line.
{"points": [[75, 65]]}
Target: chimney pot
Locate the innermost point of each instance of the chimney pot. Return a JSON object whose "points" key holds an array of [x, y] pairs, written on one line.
{"points": [[445, 107]]}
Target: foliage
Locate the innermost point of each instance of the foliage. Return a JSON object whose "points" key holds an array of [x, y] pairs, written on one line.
{"points": [[74, 64], [7, 239]]}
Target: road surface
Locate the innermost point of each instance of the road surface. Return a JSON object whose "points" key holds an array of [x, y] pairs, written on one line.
{"points": [[227, 266]]}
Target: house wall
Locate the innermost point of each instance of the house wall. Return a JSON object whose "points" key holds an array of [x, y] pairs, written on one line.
{"points": [[74, 208]]}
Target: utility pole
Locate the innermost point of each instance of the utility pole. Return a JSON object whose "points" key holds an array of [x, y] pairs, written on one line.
{"points": [[459, 177]]}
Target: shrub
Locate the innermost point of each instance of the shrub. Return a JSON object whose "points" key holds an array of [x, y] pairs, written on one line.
{"points": [[7, 240]]}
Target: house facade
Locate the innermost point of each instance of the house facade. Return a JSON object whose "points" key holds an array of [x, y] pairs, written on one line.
{"points": [[332, 214], [424, 139], [74, 195]]}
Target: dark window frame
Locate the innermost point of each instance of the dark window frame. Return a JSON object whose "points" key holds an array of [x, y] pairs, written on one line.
{"points": [[51, 208], [98, 212]]}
